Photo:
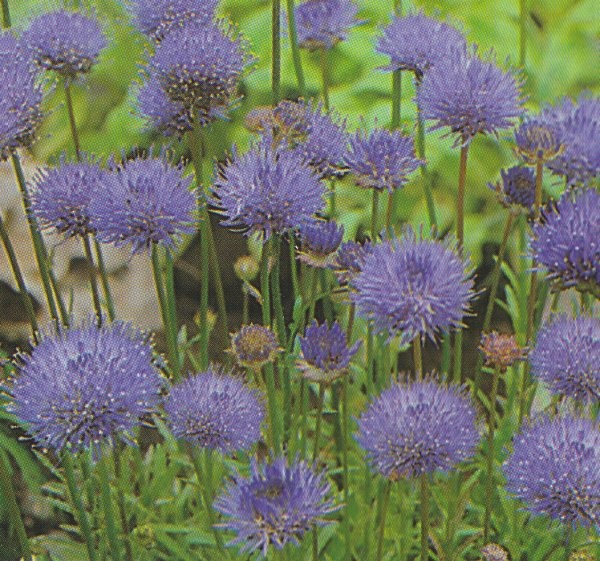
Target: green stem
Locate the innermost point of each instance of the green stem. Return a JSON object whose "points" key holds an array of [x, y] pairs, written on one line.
{"points": [[109, 515], [319, 421], [72, 123], [489, 490], [396, 98], [276, 50], [294, 267], [374, 215], [370, 360], [291, 18], [389, 213], [523, 16], [417, 357], [121, 506], [87, 249], [426, 176], [265, 290], [383, 514], [276, 291], [457, 366], [5, 15], [110, 306], [424, 517], [346, 436], [304, 390], [325, 76]]}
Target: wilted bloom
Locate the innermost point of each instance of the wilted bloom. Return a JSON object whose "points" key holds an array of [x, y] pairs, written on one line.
{"points": [[536, 140], [418, 428], [382, 159], [412, 286], [67, 42], [554, 469], [470, 96], [517, 189], [325, 353], [268, 190], [416, 42], [85, 387], [567, 241], [143, 202], [277, 504], [319, 242], [501, 350], [566, 357], [349, 260], [494, 552], [581, 555], [214, 410], [254, 346], [321, 24]]}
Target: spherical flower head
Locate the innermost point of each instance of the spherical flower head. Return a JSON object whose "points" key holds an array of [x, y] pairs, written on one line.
{"points": [[145, 201], [254, 346], [412, 286], [246, 268], [216, 411], [537, 140], [567, 241], [85, 387], [349, 260], [325, 353], [277, 504], [60, 196], [501, 350], [416, 42], [320, 240], [67, 42], [494, 552], [156, 18], [470, 96], [554, 469], [321, 24], [382, 159], [517, 189], [269, 190], [418, 428], [566, 357]]}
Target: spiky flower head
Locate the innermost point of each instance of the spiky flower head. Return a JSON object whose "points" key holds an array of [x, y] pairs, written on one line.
{"points": [[416, 42], [501, 350], [144, 201], [85, 387], [60, 196], [418, 428], [517, 189], [554, 469], [325, 353], [413, 286], [494, 552], [566, 242], [20, 97], [382, 159], [275, 505], [67, 42], [470, 96], [215, 410], [254, 346], [537, 139], [268, 190], [319, 242], [321, 24], [349, 260], [566, 357]]}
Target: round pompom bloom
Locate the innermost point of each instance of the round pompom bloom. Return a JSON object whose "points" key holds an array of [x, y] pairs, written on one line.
{"points": [[349, 260], [566, 357], [470, 96], [517, 189], [382, 159], [277, 504], [20, 97], [567, 241], [321, 24], [416, 42], [320, 240], [411, 286], [156, 18], [269, 190], [143, 202], [537, 139], [501, 350], [60, 196], [555, 469], [254, 346], [86, 387], [215, 411], [67, 42], [418, 428]]}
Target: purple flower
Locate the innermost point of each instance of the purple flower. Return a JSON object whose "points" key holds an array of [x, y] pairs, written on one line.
{"points": [[470, 96], [537, 139], [254, 346], [517, 189], [66, 42], [85, 387], [412, 286], [567, 241], [277, 504], [320, 240], [382, 159], [349, 260], [325, 353], [269, 190], [566, 357], [416, 42], [554, 469], [418, 428], [143, 202], [215, 411], [321, 24]]}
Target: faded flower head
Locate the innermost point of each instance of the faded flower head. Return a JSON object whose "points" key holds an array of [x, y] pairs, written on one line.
{"points": [[412, 286], [382, 159], [517, 189], [581, 555], [67, 42], [319, 242], [215, 410], [349, 260], [144, 201], [566, 357], [537, 139], [275, 505], [501, 350], [567, 241], [416, 42], [494, 552], [325, 353], [554, 469], [254, 346], [418, 428], [85, 387], [321, 24]]}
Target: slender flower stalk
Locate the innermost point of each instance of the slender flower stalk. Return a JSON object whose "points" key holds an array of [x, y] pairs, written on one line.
{"points": [[319, 417], [346, 475], [5, 15], [297, 59], [491, 454], [276, 51], [383, 519], [523, 21], [87, 250], [424, 488], [325, 77], [109, 515], [417, 357]]}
